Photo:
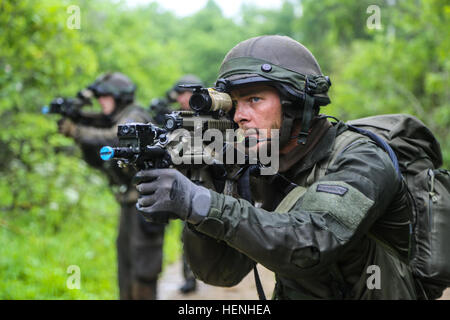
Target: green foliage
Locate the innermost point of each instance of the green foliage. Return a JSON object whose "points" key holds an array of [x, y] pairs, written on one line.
{"points": [[39, 54], [205, 38], [257, 21], [401, 70], [130, 41], [57, 211]]}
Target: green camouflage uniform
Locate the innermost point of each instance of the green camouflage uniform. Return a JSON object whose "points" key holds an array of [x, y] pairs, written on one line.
{"points": [[332, 243], [139, 243], [321, 248]]}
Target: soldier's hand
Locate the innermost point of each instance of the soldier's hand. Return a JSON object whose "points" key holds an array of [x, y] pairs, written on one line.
{"points": [[67, 127], [167, 194]]}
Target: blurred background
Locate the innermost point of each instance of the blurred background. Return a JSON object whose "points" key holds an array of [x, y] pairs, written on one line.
{"points": [[382, 57]]}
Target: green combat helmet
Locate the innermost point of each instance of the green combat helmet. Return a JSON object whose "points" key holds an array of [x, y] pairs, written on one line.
{"points": [[188, 79], [114, 84], [287, 65]]}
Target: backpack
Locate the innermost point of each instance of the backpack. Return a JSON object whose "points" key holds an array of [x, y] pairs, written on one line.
{"points": [[419, 160], [417, 157]]}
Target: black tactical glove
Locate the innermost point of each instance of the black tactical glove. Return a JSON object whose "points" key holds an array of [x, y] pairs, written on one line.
{"points": [[167, 194]]}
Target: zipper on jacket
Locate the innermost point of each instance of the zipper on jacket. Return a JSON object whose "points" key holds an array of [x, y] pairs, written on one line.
{"points": [[431, 198]]}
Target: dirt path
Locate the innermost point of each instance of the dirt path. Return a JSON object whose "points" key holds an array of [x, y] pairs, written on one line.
{"points": [[172, 279], [446, 295]]}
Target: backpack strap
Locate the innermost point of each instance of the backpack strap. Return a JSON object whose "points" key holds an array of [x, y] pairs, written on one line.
{"points": [[341, 143], [344, 141], [259, 287], [290, 200], [381, 143]]}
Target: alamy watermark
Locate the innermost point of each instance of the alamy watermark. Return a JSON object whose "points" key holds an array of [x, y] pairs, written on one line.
{"points": [[254, 146], [74, 19], [74, 278], [374, 20], [374, 280]]}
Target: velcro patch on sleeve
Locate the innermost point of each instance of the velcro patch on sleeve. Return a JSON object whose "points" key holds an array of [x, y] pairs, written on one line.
{"points": [[334, 189], [349, 207]]}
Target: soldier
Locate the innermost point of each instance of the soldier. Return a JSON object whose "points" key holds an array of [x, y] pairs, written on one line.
{"points": [[323, 240], [139, 243], [181, 96], [160, 106]]}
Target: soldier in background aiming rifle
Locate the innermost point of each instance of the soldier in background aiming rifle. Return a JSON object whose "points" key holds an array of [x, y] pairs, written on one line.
{"points": [[139, 243], [181, 96]]}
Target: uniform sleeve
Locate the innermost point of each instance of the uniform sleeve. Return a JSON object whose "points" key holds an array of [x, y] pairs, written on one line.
{"points": [[93, 136], [334, 213]]}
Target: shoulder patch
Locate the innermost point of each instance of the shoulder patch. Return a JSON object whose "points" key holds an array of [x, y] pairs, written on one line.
{"points": [[334, 189]]}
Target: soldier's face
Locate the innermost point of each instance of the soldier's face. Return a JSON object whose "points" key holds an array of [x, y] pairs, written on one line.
{"points": [[257, 107], [107, 103], [183, 100]]}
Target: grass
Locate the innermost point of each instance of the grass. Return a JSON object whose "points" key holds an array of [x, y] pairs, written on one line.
{"points": [[34, 259]]}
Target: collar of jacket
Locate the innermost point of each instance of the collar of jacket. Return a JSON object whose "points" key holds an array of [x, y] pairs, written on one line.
{"points": [[320, 151]]}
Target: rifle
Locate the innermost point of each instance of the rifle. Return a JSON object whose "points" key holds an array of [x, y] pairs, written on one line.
{"points": [[159, 107], [72, 108], [146, 146]]}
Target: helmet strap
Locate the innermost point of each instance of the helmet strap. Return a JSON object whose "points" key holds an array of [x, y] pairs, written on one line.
{"points": [[308, 114], [285, 130], [289, 116]]}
